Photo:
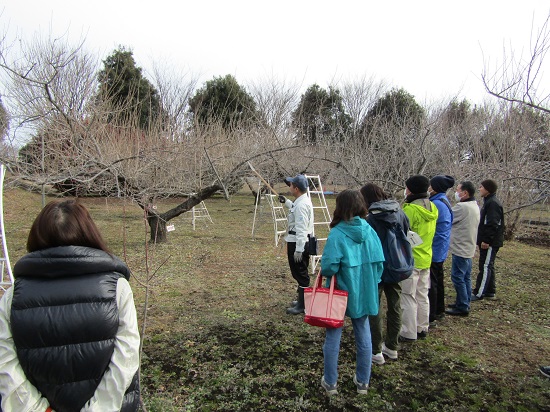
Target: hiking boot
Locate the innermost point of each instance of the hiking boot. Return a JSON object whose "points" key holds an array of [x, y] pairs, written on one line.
{"points": [[390, 353], [378, 359], [330, 389], [362, 388], [545, 370]]}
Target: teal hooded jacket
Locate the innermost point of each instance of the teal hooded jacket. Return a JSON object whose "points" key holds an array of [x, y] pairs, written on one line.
{"points": [[353, 253]]}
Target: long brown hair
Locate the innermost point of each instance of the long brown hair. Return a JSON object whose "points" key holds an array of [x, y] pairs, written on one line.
{"points": [[349, 203], [373, 193], [64, 223]]}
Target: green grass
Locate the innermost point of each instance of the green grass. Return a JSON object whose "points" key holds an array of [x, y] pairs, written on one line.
{"points": [[218, 338]]}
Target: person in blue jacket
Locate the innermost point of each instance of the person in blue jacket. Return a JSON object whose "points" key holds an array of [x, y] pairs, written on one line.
{"points": [[353, 253], [440, 247]]}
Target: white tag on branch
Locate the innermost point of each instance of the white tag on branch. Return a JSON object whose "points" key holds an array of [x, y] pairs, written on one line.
{"points": [[170, 228], [414, 239]]}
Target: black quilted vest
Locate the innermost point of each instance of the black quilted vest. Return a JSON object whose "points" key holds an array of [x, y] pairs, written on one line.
{"points": [[64, 319]]}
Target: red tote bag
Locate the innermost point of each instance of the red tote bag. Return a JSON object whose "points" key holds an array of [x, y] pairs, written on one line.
{"points": [[325, 307]]}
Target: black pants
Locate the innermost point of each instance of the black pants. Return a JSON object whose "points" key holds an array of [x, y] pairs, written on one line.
{"points": [[298, 269], [485, 283], [436, 294]]}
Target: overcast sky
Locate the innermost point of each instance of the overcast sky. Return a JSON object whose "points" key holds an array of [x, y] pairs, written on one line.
{"points": [[433, 48]]}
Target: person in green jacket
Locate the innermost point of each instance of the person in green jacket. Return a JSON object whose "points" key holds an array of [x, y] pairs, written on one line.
{"points": [[353, 253], [422, 216]]}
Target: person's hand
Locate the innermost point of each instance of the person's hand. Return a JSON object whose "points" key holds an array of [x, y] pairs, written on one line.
{"points": [[484, 245], [298, 256], [282, 199]]}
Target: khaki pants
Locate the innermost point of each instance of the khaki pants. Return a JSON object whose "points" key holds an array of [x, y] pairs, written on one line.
{"points": [[415, 304]]}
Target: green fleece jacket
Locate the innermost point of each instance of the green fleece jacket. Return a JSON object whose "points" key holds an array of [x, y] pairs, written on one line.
{"points": [[422, 215]]}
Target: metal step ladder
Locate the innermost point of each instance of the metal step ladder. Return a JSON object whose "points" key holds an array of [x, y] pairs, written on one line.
{"points": [[7, 277], [278, 213], [321, 217]]}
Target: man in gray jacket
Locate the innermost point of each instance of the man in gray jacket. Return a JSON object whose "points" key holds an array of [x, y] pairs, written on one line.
{"points": [[463, 246]]}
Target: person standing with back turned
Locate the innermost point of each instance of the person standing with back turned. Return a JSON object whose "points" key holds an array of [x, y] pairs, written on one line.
{"points": [[300, 226], [422, 216], [490, 238], [69, 337], [438, 186]]}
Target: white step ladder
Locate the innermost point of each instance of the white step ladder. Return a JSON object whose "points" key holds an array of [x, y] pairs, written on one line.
{"points": [[321, 217], [278, 213], [7, 277], [199, 212]]}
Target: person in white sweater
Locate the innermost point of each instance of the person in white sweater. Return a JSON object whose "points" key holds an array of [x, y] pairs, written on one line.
{"points": [[463, 246]]}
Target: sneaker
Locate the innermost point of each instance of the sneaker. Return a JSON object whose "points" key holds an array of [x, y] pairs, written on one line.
{"points": [[475, 297], [545, 370], [433, 324], [390, 353], [378, 359], [362, 388], [330, 389], [490, 296]]}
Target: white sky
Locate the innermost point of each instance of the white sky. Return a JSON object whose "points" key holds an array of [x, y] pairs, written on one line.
{"points": [[433, 48]]}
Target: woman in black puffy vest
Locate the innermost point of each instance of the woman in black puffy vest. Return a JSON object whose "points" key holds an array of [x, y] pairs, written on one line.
{"points": [[69, 337]]}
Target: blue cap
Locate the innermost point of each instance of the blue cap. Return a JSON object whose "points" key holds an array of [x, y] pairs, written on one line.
{"points": [[299, 181]]}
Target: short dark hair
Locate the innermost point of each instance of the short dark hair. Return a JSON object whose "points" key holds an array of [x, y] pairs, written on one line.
{"points": [[373, 193], [64, 223], [469, 187], [349, 203]]}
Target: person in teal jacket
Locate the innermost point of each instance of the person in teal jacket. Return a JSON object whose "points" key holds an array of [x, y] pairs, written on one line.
{"points": [[422, 216], [353, 253]]}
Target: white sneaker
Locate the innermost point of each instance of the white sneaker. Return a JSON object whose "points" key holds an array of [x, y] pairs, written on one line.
{"points": [[392, 354], [378, 359]]}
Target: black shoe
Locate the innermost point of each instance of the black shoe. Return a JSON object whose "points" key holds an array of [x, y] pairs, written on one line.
{"points": [[474, 298], [421, 335], [440, 316], [404, 339], [545, 370], [451, 306], [456, 312], [433, 324], [490, 296]]}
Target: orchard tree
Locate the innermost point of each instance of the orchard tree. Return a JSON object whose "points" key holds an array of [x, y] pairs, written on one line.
{"points": [[131, 95], [320, 116], [222, 100], [4, 121]]}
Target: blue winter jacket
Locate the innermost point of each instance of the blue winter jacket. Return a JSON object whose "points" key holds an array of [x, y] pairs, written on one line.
{"points": [[353, 253], [442, 237]]}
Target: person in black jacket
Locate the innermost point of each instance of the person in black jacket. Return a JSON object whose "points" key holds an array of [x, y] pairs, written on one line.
{"points": [[490, 238], [69, 338]]}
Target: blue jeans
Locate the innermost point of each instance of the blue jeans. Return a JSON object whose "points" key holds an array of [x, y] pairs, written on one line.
{"points": [[461, 276], [331, 349]]}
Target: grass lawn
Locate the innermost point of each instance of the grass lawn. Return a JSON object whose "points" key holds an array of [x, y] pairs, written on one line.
{"points": [[218, 338]]}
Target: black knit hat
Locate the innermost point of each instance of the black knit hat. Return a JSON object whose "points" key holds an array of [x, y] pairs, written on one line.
{"points": [[441, 183], [417, 184], [490, 185]]}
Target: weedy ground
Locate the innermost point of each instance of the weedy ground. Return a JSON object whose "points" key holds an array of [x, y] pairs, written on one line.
{"points": [[218, 339]]}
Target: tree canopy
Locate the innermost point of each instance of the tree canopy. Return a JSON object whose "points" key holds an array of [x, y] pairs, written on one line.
{"points": [[320, 115], [3, 120], [223, 100], [123, 86]]}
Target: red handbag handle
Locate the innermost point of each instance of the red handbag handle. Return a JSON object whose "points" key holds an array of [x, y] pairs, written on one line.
{"points": [[318, 283]]}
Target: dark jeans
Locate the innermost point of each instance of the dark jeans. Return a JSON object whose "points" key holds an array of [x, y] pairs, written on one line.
{"points": [[436, 294], [298, 269], [485, 283], [393, 318]]}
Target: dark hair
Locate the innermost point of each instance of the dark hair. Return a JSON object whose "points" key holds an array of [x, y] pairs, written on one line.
{"points": [[469, 187], [373, 193], [64, 223], [349, 203], [490, 185]]}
